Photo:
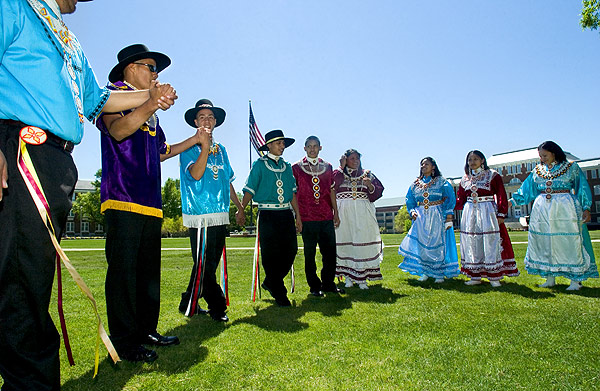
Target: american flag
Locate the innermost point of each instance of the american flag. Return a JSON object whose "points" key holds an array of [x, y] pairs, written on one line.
{"points": [[256, 139]]}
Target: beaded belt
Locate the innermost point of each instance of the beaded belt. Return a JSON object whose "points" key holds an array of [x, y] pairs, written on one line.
{"points": [[431, 203], [53, 139], [480, 199], [274, 206], [549, 192], [352, 196]]}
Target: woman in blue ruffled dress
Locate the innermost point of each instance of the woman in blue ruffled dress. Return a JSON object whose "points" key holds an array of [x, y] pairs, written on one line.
{"points": [[559, 243], [429, 248]]}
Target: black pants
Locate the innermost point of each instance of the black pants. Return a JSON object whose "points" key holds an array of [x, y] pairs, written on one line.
{"points": [[208, 288], [29, 341], [278, 246], [323, 234], [133, 276]]}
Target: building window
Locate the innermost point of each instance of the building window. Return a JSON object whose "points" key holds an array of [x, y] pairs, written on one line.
{"points": [[594, 174], [70, 226], [85, 226], [597, 206], [597, 190], [99, 228], [510, 169]]}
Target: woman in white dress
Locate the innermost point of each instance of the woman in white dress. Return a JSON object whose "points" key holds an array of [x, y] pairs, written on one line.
{"points": [[358, 242], [558, 242]]}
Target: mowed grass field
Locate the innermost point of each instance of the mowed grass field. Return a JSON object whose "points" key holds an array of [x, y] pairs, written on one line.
{"points": [[398, 335]]}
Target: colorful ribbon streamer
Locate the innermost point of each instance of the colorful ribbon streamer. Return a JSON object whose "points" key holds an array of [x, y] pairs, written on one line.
{"points": [[224, 277], [32, 181], [255, 289]]}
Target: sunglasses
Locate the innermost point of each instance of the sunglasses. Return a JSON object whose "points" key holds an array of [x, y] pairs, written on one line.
{"points": [[152, 68]]}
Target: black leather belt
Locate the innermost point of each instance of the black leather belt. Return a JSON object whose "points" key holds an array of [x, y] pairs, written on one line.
{"points": [[53, 139]]}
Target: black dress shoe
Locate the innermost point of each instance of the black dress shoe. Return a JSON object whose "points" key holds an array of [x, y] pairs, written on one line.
{"points": [[219, 317], [334, 290], [317, 293], [155, 339], [137, 354]]}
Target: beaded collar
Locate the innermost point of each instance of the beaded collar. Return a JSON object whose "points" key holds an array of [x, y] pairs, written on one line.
{"points": [[307, 166], [481, 180], [419, 184], [351, 178], [543, 172]]}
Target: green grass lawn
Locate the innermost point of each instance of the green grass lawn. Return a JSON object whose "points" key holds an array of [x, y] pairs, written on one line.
{"points": [[398, 335]]}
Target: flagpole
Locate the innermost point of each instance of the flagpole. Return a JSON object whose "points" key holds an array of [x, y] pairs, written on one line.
{"points": [[249, 139], [250, 152]]}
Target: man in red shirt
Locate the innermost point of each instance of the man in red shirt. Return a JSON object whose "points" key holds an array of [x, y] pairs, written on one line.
{"points": [[319, 214]]}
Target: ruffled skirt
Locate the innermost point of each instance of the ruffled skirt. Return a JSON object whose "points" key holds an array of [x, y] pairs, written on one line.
{"points": [[485, 248], [559, 243], [428, 248], [358, 242]]}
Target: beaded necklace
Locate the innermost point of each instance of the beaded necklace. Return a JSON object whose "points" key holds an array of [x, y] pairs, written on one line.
{"points": [[543, 172], [278, 182], [315, 181], [354, 180], [215, 150], [419, 184], [69, 45]]}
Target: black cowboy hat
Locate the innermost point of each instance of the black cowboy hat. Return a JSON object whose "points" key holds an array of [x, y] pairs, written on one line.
{"points": [[275, 135], [190, 115], [133, 53]]}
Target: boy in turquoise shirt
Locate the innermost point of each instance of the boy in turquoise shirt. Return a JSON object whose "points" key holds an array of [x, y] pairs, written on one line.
{"points": [[272, 185]]}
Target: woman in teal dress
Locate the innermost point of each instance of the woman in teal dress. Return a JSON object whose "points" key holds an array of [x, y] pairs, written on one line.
{"points": [[559, 243]]}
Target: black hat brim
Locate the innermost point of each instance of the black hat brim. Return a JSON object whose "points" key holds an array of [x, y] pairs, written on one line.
{"points": [[162, 62], [218, 112], [288, 141]]}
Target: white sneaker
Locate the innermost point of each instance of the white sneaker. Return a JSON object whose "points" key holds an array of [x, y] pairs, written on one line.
{"points": [[363, 285], [495, 284], [348, 283], [575, 286], [550, 281], [439, 280], [423, 278], [473, 282]]}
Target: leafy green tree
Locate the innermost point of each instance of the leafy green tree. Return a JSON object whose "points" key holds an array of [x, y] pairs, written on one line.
{"points": [[590, 14], [171, 199], [88, 204], [402, 221], [173, 227]]}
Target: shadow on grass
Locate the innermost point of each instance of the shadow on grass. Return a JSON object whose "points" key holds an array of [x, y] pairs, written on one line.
{"points": [[287, 319], [584, 291], [484, 287], [115, 376]]}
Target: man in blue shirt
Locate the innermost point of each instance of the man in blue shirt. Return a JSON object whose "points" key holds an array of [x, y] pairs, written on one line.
{"points": [[206, 189], [47, 89]]}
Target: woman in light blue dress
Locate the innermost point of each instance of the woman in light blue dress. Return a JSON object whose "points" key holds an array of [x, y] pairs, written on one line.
{"points": [[558, 243], [429, 248]]}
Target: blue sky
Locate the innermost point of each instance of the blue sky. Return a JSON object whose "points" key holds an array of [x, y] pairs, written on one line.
{"points": [[397, 80]]}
